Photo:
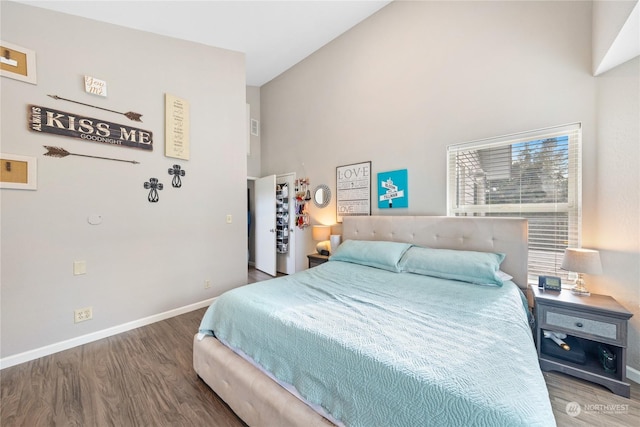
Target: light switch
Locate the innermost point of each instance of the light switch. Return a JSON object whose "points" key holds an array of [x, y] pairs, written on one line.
{"points": [[79, 267], [229, 219]]}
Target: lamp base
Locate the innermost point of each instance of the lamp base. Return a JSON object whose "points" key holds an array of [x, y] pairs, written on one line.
{"points": [[580, 292], [579, 288], [323, 246]]}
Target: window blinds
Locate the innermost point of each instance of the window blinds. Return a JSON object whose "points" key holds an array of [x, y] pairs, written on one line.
{"points": [[535, 175]]}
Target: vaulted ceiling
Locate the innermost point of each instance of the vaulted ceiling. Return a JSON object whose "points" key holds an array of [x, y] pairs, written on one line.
{"points": [[274, 35]]}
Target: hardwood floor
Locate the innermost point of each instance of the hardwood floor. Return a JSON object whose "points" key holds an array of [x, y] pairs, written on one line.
{"points": [[598, 406], [145, 377]]}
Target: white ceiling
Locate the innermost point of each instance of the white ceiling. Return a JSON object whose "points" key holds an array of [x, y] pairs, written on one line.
{"points": [[274, 35], [625, 46]]}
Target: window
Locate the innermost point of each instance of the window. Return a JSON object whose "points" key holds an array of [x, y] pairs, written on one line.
{"points": [[535, 175]]}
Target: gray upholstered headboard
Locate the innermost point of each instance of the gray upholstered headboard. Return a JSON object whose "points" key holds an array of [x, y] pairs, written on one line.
{"points": [[484, 234]]}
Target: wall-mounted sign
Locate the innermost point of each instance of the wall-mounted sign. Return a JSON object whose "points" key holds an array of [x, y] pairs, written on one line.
{"points": [[392, 189], [48, 120], [176, 127], [353, 190], [95, 86]]}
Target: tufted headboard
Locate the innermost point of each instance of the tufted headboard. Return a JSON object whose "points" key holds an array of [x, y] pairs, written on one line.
{"points": [[484, 234]]}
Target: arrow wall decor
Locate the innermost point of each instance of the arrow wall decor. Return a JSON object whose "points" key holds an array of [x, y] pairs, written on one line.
{"points": [[136, 117], [61, 152]]}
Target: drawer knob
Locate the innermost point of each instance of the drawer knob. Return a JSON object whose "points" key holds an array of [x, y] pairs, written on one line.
{"points": [[579, 324]]}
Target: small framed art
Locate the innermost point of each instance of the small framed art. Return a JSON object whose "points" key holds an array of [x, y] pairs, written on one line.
{"points": [[18, 172], [17, 62], [393, 189]]}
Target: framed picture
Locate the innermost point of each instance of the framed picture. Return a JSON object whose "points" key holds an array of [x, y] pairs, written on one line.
{"points": [[393, 189], [353, 190], [18, 172], [17, 62]]}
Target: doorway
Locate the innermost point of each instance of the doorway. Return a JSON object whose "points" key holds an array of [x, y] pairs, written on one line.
{"points": [[265, 251]]}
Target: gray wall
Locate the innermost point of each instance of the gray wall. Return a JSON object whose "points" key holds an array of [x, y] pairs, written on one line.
{"points": [[253, 158], [253, 165], [145, 258], [418, 76], [617, 192]]}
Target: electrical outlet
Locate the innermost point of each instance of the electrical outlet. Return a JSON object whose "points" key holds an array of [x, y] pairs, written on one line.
{"points": [[207, 284], [82, 314]]}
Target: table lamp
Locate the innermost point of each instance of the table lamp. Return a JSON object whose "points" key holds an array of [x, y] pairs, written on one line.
{"points": [[321, 233], [581, 261]]}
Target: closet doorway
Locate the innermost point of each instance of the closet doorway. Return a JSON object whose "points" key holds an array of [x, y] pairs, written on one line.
{"points": [[272, 239]]}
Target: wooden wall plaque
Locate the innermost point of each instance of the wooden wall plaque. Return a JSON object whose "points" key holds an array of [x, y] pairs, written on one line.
{"points": [[176, 127]]}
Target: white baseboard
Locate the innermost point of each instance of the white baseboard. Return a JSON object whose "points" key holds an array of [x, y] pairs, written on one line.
{"points": [[633, 374], [94, 336]]}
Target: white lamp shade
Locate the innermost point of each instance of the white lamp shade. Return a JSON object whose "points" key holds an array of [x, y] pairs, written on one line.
{"points": [[320, 232], [585, 261]]}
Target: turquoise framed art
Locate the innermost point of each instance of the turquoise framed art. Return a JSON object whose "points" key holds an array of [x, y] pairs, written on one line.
{"points": [[392, 189]]}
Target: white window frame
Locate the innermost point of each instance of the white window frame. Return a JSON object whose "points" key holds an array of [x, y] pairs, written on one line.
{"points": [[540, 262]]}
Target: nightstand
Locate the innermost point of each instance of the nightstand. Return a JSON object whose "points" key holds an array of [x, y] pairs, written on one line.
{"points": [[592, 320], [317, 259]]}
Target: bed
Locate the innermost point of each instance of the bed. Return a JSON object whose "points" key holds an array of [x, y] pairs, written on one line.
{"points": [[412, 321]]}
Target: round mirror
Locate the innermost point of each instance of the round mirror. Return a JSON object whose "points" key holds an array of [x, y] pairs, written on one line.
{"points": [[321, 196]]}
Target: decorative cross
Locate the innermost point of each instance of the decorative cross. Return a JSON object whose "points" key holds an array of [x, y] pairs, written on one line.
{"points": [[177, 172], [154, 185]]}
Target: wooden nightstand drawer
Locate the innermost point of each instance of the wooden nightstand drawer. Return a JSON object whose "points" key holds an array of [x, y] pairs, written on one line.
{"points": [[586, 325], [579, 324]]}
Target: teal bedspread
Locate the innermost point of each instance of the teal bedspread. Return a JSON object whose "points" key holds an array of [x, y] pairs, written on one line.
{"points": [[379, 348]]}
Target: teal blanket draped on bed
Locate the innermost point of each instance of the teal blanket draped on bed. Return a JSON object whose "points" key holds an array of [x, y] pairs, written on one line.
{"points": [[380, 348]]}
